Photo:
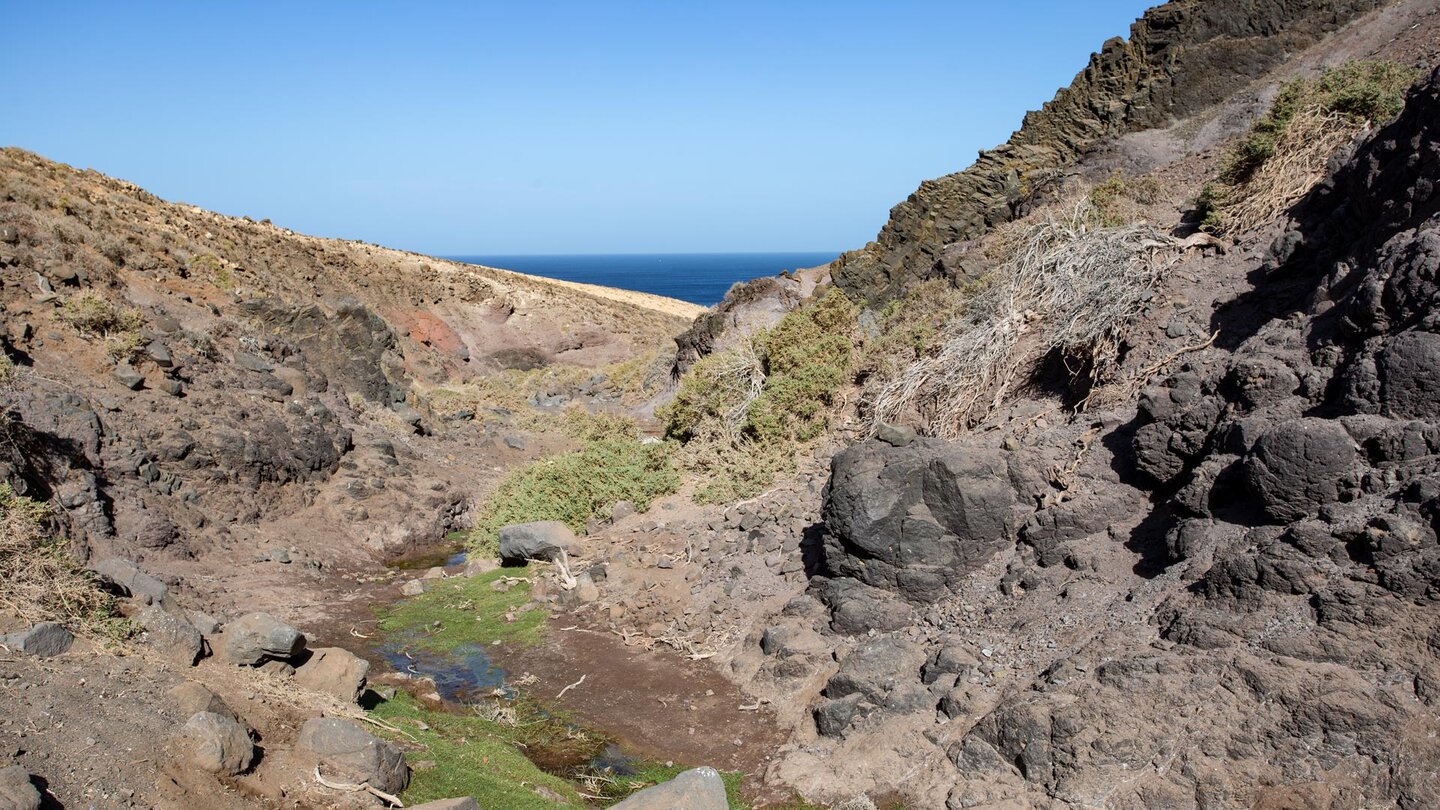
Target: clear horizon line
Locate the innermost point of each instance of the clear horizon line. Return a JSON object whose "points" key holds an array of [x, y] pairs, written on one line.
{"points": [[645, 253]]}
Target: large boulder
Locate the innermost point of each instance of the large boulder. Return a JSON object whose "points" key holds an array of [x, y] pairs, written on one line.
{"points": [[175, 638], [347, 752], [916, 519], [216, 743], [541, 540], [16, 790], [1299, 466], [333, 671], [43, 640], [256, 638], [695, 789]]}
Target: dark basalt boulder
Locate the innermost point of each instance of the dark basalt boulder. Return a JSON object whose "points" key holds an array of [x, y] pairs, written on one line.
{"points": [[915, 519], [1299, 466]]}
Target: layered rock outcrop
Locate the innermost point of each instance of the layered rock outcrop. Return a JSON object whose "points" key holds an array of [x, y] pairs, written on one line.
{"points": [[1180, 58]]}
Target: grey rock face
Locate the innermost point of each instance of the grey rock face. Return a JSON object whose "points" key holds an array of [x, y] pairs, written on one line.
{"points": [[895, 435], [348, 752], [17, 792], [695, 789], [175, 638], [335, 672], [915, 519], [127, 577], [542, 540], [44, 640], [216, 743], [257, 637], [886, 673]]}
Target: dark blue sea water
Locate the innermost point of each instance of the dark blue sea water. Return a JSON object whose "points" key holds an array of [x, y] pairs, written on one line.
{"points": [[700, 278]]}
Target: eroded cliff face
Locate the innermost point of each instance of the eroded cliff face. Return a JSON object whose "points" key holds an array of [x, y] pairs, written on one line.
{"points": [[1181, 57]]}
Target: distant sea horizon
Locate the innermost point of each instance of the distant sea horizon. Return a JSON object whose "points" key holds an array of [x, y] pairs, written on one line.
{"points": [[700, 278]]}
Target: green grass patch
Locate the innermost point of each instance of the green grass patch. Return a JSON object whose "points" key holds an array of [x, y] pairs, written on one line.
{"points": [[574, 487], [466, 610], [454, 755]]}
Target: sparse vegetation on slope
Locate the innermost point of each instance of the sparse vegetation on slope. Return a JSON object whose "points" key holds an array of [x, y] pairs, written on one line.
{"points": [[39, 580], [743, 412], [613, 464], [1285, 151], [1070, 287]]}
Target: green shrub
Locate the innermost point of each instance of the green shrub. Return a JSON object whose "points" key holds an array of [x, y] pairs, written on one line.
{"points": [[93, 316], [573, 487], [742, 413], [1360, 91]]}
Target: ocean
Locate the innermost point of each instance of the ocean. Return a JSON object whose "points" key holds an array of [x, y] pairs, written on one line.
{"points": [[700, 278]]}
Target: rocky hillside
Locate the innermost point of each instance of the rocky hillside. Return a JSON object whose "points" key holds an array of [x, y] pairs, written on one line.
{"points": [[1106, 477], [1180, 58]]}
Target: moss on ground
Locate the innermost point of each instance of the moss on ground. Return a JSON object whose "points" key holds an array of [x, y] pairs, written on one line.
{"points": [[467, 610], [453, 755]]}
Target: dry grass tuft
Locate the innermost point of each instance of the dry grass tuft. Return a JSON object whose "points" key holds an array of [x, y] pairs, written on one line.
{"points": [[1069, 287], [1298, 163], [38, 579]]}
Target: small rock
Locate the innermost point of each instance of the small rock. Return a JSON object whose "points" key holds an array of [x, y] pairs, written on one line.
{"points": [[192, 698], [17, 792], [126, 375], [44, 640], [695, 789], [172, 387], [622, 510], [347, 752], [252, 363], [257, 637], [280, 555], [585, 590], [207, 625], [175, 638], [159, 354], [541, 540], [465, 803], [412, 587], [515, 442], [895, 435], [127, 577], [280, 669], [435, 572], [335, 672], [216, 743]]}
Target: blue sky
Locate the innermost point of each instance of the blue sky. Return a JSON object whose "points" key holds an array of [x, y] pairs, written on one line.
{"points": [[540, 127]]}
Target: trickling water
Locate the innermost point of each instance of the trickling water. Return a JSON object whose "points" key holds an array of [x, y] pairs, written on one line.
{"points": [[463, 674]]}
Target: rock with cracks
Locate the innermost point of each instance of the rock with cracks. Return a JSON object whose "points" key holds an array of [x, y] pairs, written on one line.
{"points": [[216, 743], [346, 752]]}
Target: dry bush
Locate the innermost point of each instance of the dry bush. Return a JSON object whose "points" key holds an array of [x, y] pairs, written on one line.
{"points": [[1298, 162], [38, 579], [1285, 152], [1069, 288], [93, 316]]}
